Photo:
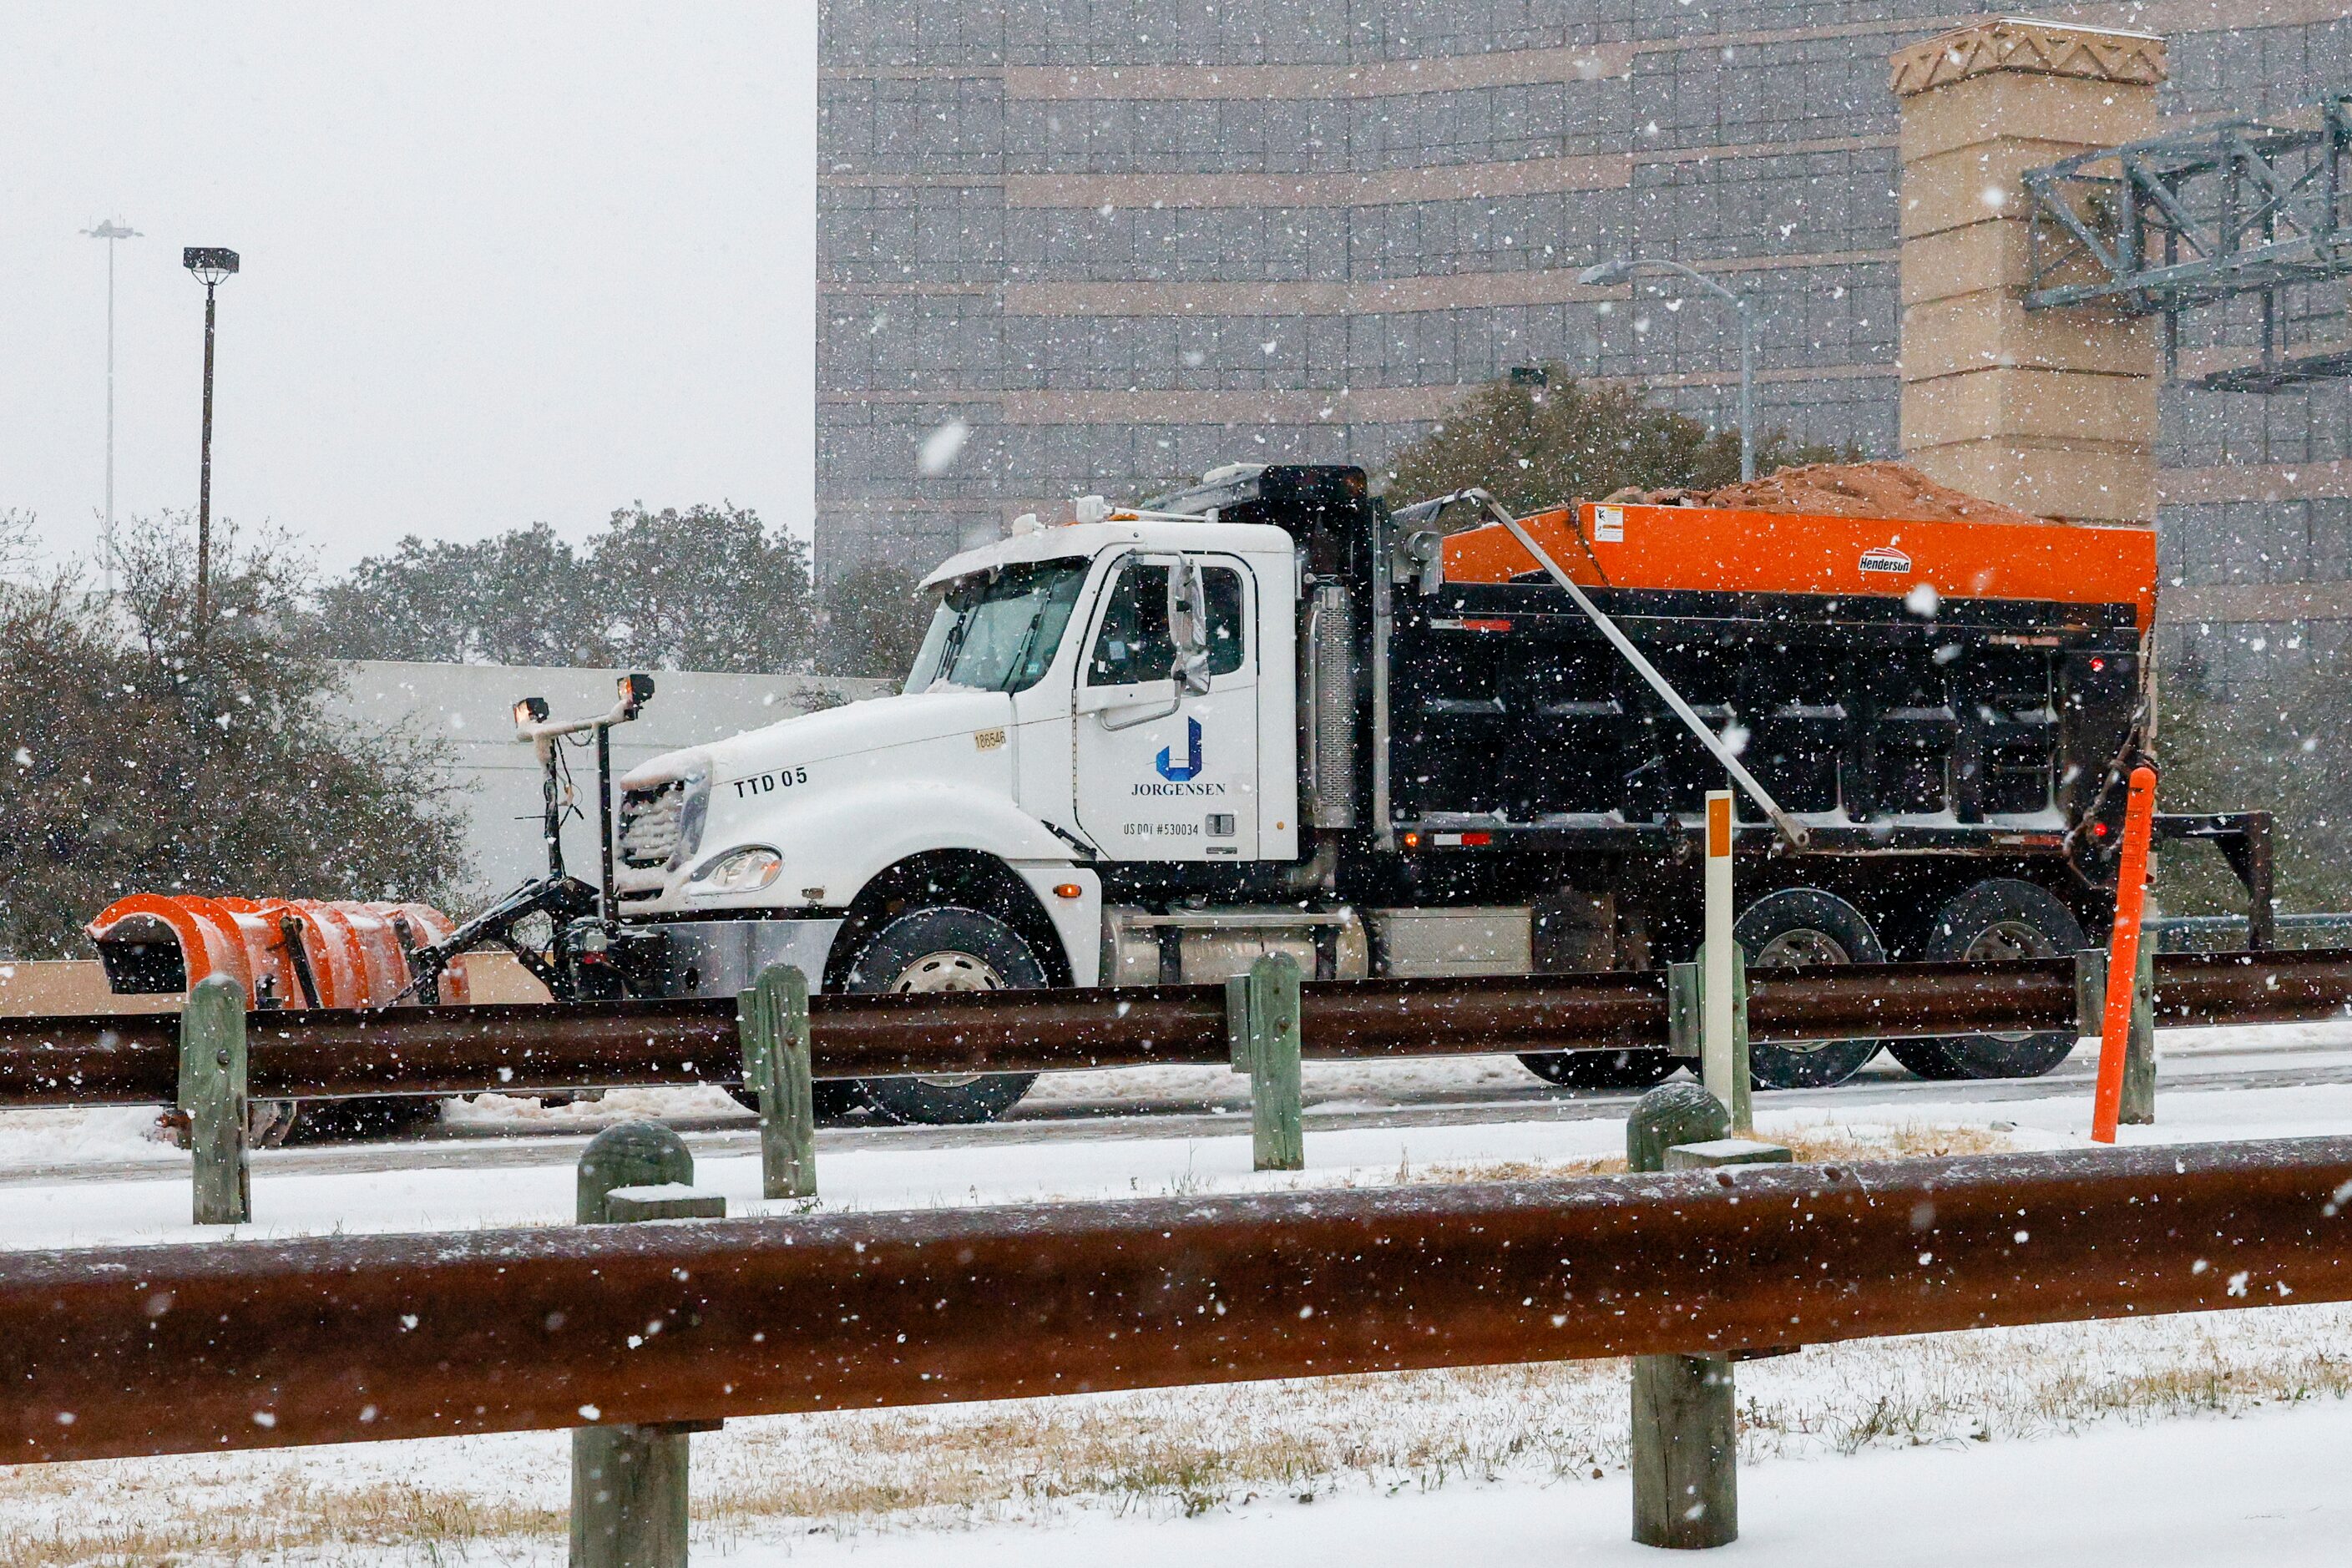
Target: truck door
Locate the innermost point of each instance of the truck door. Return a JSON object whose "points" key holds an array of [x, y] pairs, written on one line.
{"points": [[1163, 774]]}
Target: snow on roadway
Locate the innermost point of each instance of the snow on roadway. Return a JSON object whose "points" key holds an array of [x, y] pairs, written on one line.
{"points": [[869, 1174]]}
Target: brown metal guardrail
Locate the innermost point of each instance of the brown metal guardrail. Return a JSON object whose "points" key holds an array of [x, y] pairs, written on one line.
{"points": [[148, 1350], [326, 1053]]}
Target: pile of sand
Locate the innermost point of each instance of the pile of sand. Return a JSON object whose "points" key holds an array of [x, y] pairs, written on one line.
{"points": [[1845, 489]]}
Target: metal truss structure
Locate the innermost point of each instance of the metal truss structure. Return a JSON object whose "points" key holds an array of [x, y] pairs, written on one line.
{"points": [[2197, 218]]}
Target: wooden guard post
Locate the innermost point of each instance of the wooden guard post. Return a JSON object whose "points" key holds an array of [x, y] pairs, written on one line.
{"points": [[629, 1482], [1685, 1010], [1261, 1030], [212, 1094], [773, 1023], [1684, 1431], [2137, 1105]]}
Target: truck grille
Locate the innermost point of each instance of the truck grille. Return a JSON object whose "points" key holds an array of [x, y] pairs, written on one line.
{"points": [[650, 820]]}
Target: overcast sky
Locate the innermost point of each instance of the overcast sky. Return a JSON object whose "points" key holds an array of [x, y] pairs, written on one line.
{"points": [[503, 264]]}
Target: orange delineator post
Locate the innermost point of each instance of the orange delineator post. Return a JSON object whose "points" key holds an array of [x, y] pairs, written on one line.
{"points": [[2123, 953]]}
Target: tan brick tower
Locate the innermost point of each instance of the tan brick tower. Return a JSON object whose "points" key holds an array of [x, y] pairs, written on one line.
{"points": [[2051, 411]]}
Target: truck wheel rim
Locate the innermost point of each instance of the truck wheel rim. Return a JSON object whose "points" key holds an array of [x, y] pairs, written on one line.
{"points": [[2009, 939], [1803, 947], [2004, 939], [948, 970]]}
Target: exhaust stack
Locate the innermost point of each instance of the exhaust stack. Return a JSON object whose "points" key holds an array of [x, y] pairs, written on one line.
{"points": [[1328, 674]]}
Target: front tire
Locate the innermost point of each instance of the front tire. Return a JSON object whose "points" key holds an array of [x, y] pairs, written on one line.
{"points": [[1804, 928], [946, 947], [1999, 917]]}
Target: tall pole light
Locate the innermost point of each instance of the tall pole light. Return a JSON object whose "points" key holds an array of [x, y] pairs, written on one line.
{"points": [[109, 230], [1626, 268], [213, 266]]}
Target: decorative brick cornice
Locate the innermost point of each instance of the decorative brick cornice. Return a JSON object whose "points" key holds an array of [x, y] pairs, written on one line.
{"points": [[2017, 44]]}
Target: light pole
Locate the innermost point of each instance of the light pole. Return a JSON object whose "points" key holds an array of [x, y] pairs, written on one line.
{"points": [[109, 230], [213, 266], [1626, 268]]}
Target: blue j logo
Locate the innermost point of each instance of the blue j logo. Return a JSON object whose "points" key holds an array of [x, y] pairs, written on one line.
{"points": [[1176, 773]]}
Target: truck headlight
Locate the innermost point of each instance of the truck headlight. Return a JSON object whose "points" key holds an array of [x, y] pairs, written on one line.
{"points": [[744, 870]]}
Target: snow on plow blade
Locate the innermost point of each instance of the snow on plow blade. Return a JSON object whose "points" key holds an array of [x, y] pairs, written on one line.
{"points": [[284, 952]]}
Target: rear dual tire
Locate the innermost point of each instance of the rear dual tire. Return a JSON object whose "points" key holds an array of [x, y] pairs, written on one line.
{"points": [[1805, 928], [2000, 918], [1794, 928], [1602, 1070]]}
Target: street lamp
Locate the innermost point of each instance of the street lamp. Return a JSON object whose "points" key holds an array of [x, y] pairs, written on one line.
{"points": [[110, 231], [212, 265], [1626, 268]]}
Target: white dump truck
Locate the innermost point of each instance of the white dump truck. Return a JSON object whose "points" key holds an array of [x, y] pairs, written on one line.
{"points": [[1268, 714]]}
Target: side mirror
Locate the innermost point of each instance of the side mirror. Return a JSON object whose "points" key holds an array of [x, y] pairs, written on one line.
{"points": [[1188, 626]]}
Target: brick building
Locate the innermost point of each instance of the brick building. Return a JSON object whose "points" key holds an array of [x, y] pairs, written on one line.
{"points": [[1121, 241]]}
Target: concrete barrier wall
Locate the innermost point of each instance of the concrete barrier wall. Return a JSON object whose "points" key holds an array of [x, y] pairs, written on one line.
{"points": [[471, 707]]}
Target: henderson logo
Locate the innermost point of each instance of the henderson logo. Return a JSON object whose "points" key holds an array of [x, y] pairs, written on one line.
{"points": [[1885, 558]]}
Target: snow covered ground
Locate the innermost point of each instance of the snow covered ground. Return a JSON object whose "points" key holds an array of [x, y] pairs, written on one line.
{"points": [[2263, 1491], [2207, 1439]]}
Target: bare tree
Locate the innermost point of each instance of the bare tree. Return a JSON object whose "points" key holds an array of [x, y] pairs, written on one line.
{"points": [[128, 762], [2282, 743], [874, 616], [1540, 446], [519, 598], [708, 587]]}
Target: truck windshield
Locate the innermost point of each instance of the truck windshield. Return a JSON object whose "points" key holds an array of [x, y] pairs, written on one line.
{"points": [[997, 631]]}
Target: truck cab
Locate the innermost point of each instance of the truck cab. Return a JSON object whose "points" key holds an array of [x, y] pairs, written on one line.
{"points": [[1111, 692]]}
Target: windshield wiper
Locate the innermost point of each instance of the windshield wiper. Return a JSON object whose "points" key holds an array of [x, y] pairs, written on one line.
{"points": [[951, 648], [1028, 642]]}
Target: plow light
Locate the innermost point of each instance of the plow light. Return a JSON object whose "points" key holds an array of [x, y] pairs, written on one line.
{"points": [[528, 711]]}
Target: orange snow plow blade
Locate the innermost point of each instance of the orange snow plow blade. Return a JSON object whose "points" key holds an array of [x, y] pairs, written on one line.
{"points": [[284, 952]]}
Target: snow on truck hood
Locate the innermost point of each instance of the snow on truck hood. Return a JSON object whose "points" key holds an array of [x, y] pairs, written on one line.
{"points": [[876, 725]]}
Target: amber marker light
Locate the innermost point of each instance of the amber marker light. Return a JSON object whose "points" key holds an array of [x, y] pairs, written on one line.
{"points": [[1067, 890]]}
